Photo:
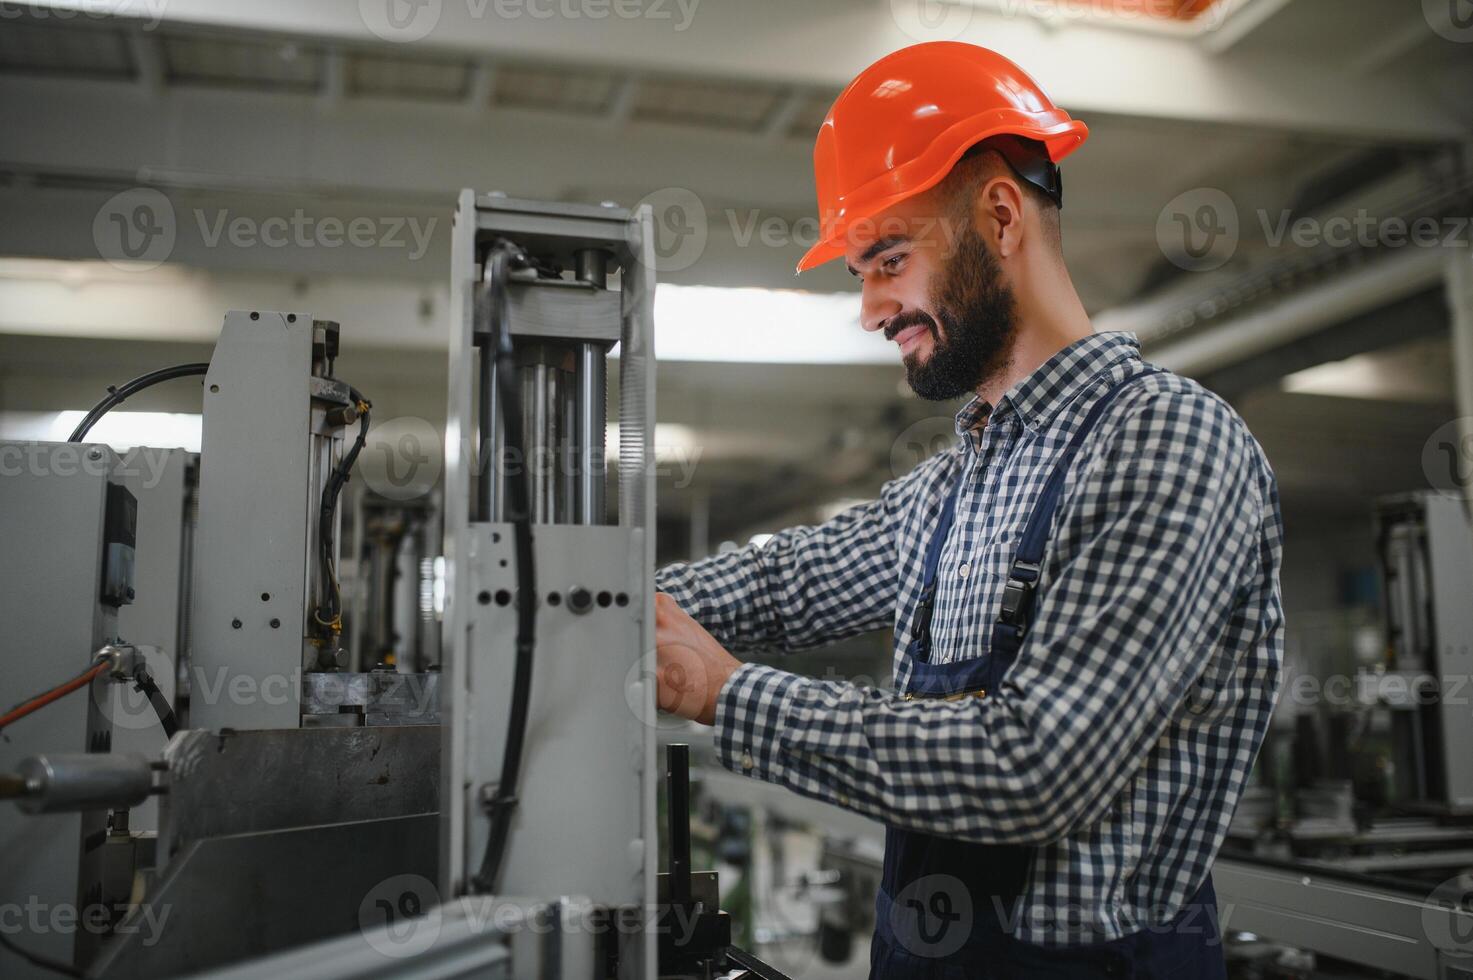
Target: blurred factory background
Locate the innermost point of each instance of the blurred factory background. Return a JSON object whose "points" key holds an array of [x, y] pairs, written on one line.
{"points": [[1276, 198]]}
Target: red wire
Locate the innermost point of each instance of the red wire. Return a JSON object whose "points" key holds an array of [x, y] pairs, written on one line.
{"points": [[42, 700]]}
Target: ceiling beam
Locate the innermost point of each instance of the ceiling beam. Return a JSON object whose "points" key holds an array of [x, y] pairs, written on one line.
{"points": [[1085, 67]]}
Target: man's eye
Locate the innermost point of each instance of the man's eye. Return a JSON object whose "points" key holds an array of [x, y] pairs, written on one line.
{"points": [[893, 262]]}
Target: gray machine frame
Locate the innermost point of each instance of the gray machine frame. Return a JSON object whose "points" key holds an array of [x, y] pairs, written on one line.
{"points": [[584, 828]]}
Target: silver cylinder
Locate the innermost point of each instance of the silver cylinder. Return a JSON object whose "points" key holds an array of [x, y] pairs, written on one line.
{"points": [[592, 266], [569, 460], [540, 416], [72, 782], [589, 456]]}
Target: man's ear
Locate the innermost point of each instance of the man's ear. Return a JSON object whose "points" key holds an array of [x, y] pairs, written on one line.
{"points": [[997, 215]]}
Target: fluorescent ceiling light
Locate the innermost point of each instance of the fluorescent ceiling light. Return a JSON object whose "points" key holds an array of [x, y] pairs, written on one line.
{"points": [[1383, 377], [764, 326], [1182, 18]]}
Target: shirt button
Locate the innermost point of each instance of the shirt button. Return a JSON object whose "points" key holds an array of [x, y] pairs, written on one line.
{"points": [[747, 762], [965, 569]]}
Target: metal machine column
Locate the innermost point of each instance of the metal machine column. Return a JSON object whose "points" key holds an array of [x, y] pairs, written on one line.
{"points": [[584, 824]]}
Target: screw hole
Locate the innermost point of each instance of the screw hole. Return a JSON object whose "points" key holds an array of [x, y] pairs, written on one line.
{"points": [[265, 596], [276, 624], [484, 598], [604, 599], [503, 597], [235, 624], [622, 599], [554, 599], [215, 388], [495, 537], [255, 315], [291, 318]]}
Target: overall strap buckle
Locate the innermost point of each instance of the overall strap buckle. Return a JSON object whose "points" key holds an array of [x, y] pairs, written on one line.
{"points": [[1017, 594], [925, 606]]}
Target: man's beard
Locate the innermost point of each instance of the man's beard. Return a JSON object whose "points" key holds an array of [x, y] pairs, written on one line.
{"points": [[978, 319]]}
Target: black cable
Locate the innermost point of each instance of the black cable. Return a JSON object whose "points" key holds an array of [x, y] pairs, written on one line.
{"points": [[35, 959], [492, 308], [149, 687], [330, 604], [116, 395]]}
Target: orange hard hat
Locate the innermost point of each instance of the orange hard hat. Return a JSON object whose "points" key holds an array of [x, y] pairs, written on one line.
{"points": [[901, 126]]}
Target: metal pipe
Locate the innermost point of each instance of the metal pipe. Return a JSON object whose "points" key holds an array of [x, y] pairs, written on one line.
{"points": [[1236, 339], [592, 266], [71, 782], [539, 398], [487, 462], [569, 456], [589, 458]]}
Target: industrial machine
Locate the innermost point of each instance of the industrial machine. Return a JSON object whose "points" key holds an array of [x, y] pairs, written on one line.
{"points": [[334, 800], [1357, 843]]}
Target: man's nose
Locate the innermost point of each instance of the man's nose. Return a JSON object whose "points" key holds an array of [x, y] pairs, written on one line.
{"points": [[876, 310]]}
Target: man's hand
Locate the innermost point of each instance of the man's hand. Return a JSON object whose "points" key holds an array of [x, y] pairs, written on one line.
{"points": [[691, 666]]}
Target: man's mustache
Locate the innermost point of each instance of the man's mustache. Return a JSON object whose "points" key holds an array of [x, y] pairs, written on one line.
{"points": [[904, 321]]}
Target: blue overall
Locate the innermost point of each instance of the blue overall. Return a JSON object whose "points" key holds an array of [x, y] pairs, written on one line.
{"points": [[947, 908]]}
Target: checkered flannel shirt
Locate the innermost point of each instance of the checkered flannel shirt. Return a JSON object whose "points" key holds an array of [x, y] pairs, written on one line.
{"points": [[1120, 741]]}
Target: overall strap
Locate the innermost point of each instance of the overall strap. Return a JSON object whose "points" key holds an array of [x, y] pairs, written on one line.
{"points": [[1017, 596], [920, 630]]}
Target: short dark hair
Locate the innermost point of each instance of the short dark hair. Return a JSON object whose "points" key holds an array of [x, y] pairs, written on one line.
{"points": [[981, 163]]}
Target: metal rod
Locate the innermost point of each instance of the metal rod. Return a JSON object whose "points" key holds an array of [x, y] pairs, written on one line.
{"points": [[677, 783], [569, 457], [488, 466], [592, 266], [592, 396]]}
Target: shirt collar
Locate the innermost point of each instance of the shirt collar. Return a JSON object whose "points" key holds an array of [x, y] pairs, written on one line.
{"points": [[1039, 397]]}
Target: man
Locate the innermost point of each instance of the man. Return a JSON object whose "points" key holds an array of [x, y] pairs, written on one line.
{"points": [[1083, 594]]}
